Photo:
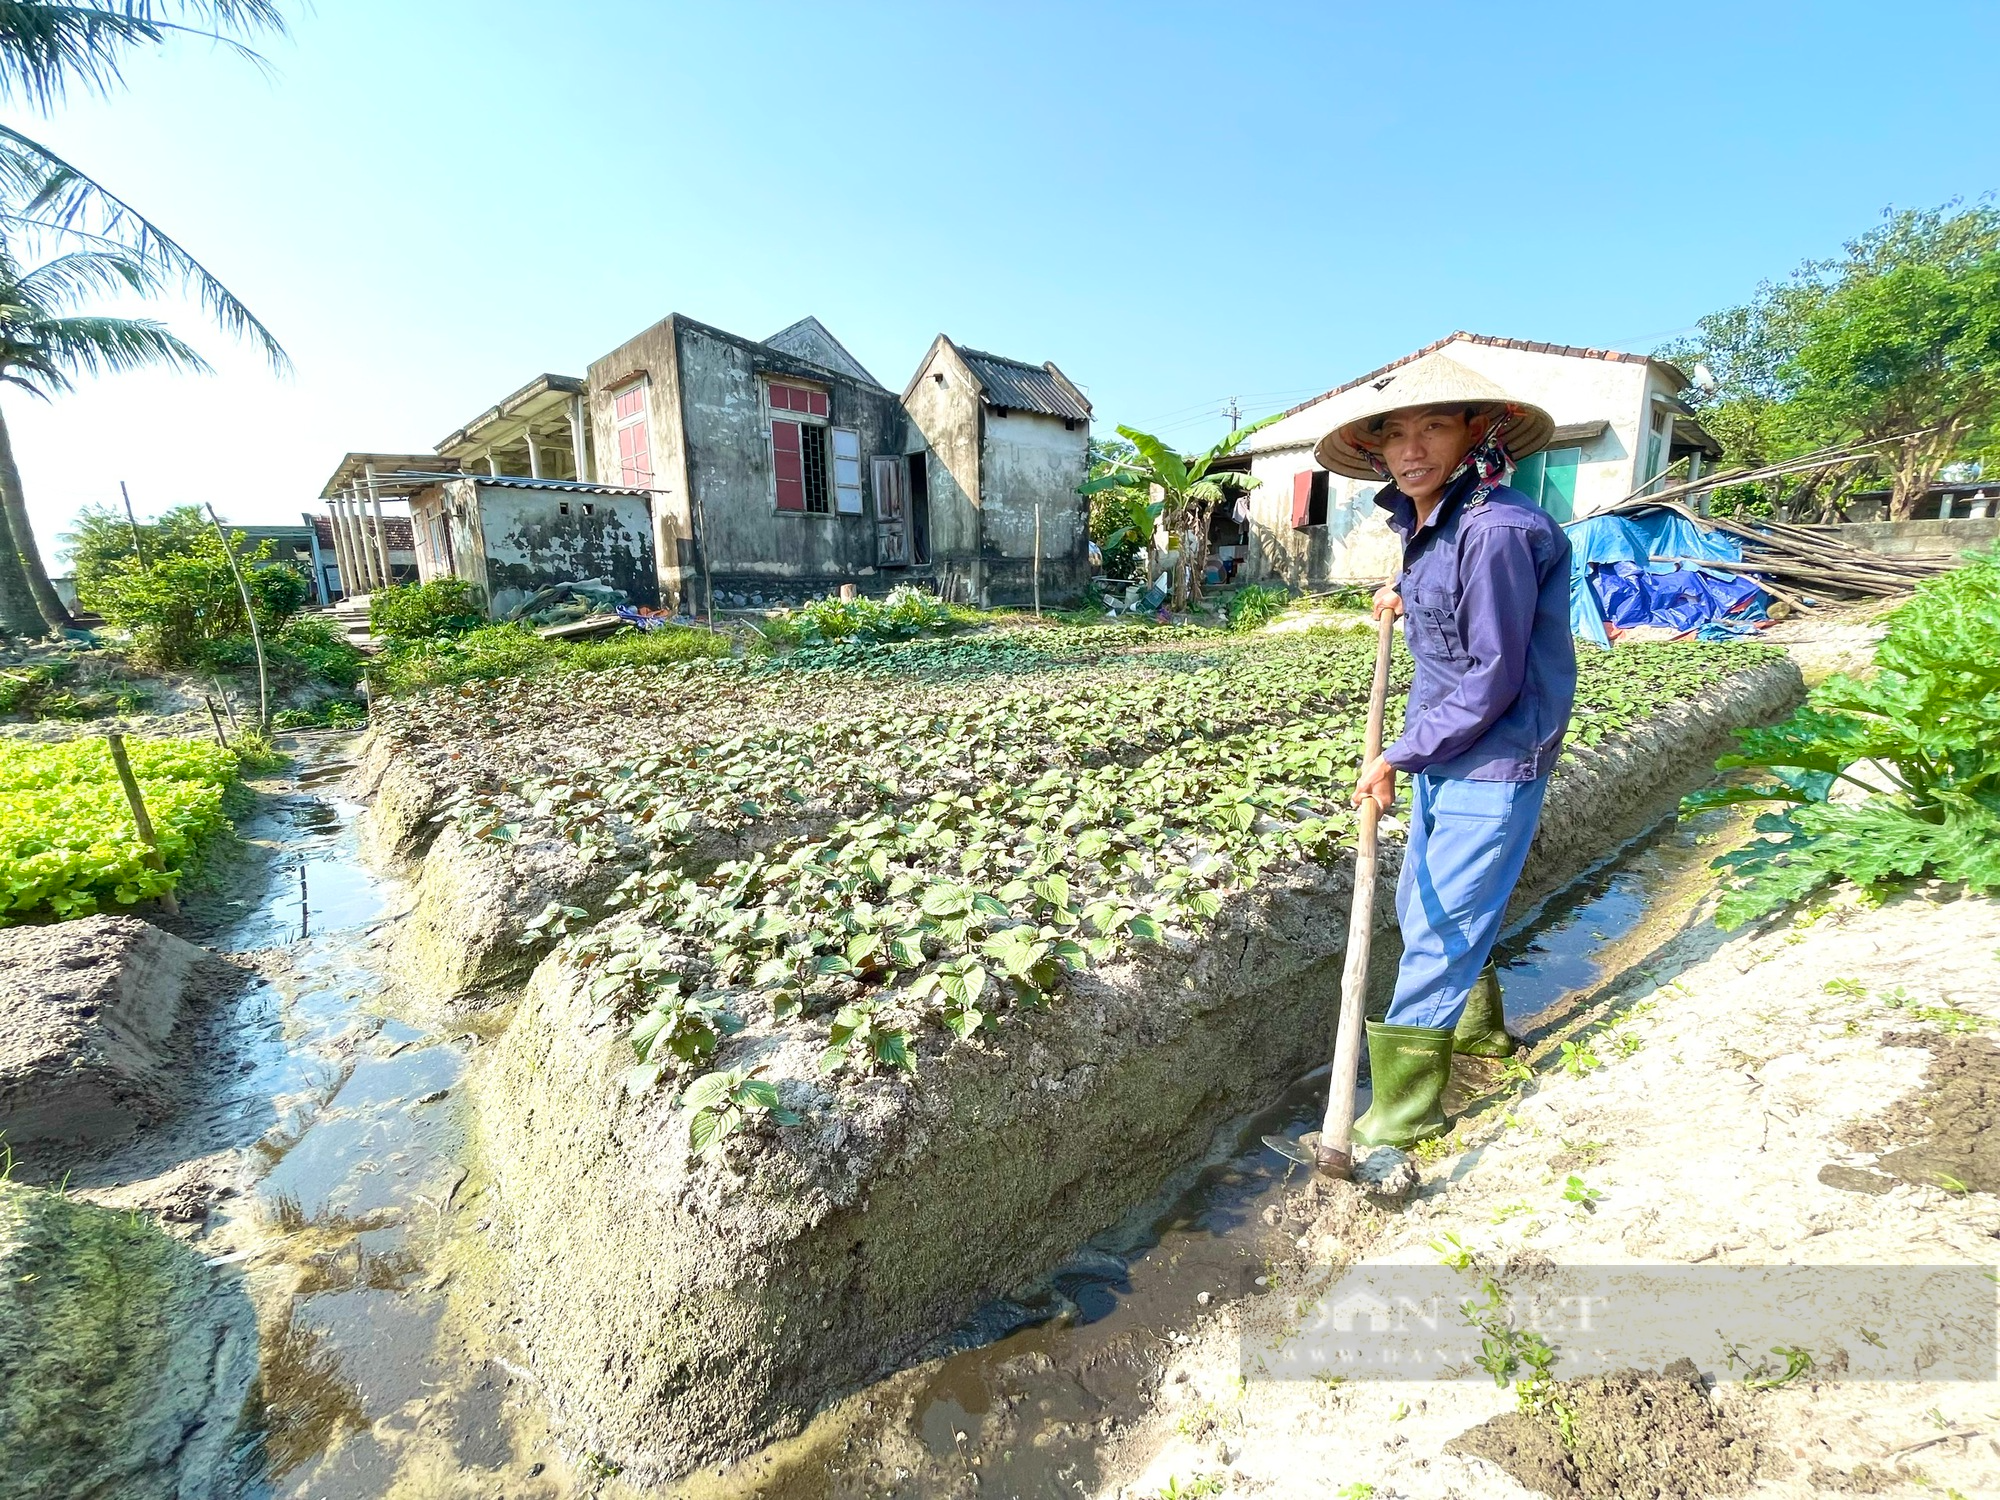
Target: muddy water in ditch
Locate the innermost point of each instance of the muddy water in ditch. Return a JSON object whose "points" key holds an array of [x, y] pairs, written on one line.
{"points": [[351, 1203], [334, 1140]]}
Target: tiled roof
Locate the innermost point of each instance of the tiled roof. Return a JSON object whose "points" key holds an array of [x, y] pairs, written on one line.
{"points": [[1529, 345], [1024, 387], [395, 528]]}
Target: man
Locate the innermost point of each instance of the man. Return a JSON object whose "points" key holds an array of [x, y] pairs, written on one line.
{"points": [[1484, 597]]}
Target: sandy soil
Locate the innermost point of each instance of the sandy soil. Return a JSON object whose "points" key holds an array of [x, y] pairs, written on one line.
{"points": [[1813, 1094]]}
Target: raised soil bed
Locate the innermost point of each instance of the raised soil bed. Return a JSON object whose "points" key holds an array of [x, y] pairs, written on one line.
{"points": [[681, 1310]]}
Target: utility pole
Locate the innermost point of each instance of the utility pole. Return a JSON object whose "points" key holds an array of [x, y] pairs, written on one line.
{"points": [[1234, 411]]}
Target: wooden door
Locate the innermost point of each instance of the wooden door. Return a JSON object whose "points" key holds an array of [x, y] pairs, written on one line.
{"points": [[892, 513]]}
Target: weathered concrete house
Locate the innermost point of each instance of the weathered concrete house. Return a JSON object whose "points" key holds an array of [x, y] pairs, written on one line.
{"points": [[1008, 445], [760, 456], [785, 468], [780, 468], [1620, 424]]}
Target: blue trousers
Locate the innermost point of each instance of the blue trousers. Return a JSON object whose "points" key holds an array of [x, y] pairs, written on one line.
{"points": [[1468, 841]]}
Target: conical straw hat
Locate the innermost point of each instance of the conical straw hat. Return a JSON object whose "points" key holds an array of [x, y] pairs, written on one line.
{"points": [[1433, 380]]}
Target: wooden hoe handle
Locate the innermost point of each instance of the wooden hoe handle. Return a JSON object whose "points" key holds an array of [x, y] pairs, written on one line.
{"points": [[1335, 1152]]}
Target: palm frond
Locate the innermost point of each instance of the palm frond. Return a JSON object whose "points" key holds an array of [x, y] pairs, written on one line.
{"points": [[45, 48], [42, 192], [68, 279], [103, 346]]}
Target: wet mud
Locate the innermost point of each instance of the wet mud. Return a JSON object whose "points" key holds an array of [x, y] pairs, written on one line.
{"points": [[1629, 1435], [1945, 1136]]}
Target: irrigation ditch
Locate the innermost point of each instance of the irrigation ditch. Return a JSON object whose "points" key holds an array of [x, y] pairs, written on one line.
{"points": [[475, 1257]]}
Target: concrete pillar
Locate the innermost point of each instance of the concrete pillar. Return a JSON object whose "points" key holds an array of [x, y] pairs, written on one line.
{"points": [[339, 547], [492, 464], [381, 531], [579, 446], [353, 564], [369, 561], [534, 456]]}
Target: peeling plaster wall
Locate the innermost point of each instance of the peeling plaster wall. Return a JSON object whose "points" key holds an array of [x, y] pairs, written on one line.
{"points": [[650, 355], [1354, 546], [946, 415], [751, 543], [534, 538], [1027, 460]]}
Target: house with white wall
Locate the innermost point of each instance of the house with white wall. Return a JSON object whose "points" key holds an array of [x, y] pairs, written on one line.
{"points": [[1620, 427]]}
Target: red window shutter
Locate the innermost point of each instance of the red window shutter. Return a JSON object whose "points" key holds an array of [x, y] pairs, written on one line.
{"points": [[785, 453], [816, 403], [1302, 487]]}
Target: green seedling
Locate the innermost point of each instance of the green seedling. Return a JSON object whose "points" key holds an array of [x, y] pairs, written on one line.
{"points": [[1578, 1059], [1765, 1378], [1330, 1380], [1511, 1211], [1198, 1488], [1852, 989], [1629, 1042], [1399, 1411], [1452, 1251], [1949, 1183], [1575, 1191], [1359, 1490], [725, 1102], [1585, 1151], [1516, 1070], [1871, 1337]]}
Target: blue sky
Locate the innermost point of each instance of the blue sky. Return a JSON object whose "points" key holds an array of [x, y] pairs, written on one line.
{"points": [[432, 202]]}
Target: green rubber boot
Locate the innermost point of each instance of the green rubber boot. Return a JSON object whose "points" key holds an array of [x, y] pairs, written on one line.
{"points": [[1482, 1029], [1409, 1067]]}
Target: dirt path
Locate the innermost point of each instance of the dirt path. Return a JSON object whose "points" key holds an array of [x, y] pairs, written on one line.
{"points": [[1815, 1097]]}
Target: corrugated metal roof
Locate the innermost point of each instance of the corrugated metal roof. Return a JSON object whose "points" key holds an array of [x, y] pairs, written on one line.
{"points": [[1024, 387], [420, 477]]}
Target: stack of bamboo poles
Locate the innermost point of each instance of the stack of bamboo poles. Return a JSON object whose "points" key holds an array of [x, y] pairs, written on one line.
{"points": [[1804, 565]]}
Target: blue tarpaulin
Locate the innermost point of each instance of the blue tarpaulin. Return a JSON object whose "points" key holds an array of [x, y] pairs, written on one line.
{"points": [[1630, 567]]}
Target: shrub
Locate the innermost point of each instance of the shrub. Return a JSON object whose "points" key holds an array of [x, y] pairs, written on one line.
{"points": [[300, 651], [514, 650], [412, 612], [184, 602], [1255, 605], [1919, 741], [905, 613]]}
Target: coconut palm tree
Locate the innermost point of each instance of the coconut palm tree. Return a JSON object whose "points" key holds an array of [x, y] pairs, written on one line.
{"points": [[46, 48], [45, 341]]}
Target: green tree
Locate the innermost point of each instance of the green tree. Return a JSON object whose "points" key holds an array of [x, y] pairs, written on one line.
{"points": [[182, 606], [1878, 342], [1912, 353], [1158, 486], [45, 342]]}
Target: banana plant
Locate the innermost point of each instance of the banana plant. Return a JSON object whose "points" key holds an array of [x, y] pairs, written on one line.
{"points": [[1162, 487]]}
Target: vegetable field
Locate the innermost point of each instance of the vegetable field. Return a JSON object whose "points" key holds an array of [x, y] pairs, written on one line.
{"points": [[903, 845], [67, 842]]}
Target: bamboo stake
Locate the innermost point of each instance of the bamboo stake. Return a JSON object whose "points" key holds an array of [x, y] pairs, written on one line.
{"points": [[256, 636], [223, 693], [138, 541], [154, 859], [215, 718], [1334, 1154], [1038, 559]]}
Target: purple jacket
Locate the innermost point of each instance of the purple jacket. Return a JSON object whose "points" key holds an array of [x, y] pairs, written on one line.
{"points": [[1485, 592]]}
